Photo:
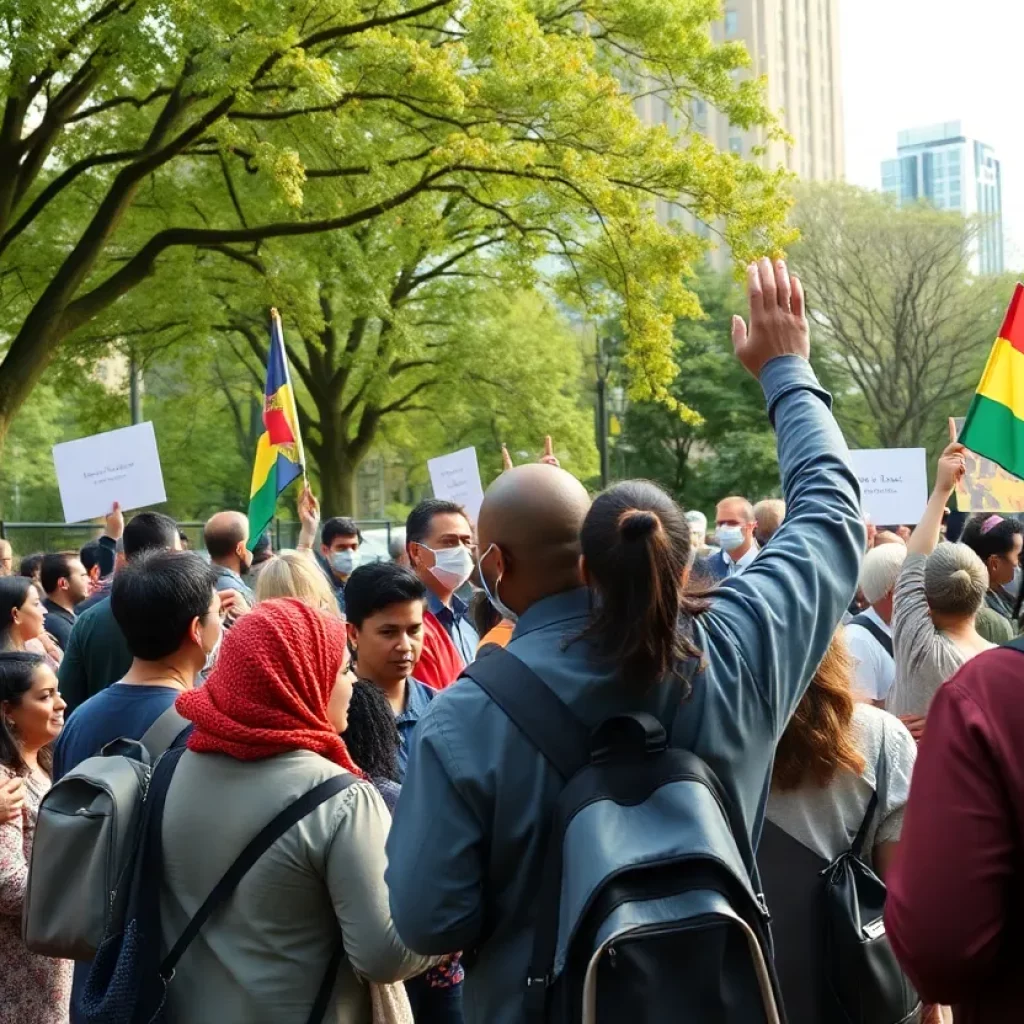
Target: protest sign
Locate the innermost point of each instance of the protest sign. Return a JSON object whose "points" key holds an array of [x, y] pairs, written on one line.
{"points": [[119, 465], [456, 477], [986, 486], [893, 484]]}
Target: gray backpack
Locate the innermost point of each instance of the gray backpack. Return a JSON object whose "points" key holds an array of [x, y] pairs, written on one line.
{"points": [[645, 907], [87, 827]]}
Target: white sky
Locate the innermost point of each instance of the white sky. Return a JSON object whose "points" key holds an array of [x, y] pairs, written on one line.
{"points": [[908, 63]]}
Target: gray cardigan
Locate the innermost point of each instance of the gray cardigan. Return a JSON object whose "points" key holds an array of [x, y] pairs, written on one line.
{"points": [[261, 959]]}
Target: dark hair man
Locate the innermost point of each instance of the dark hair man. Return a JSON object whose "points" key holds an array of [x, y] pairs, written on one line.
{"points": [[384, 607], [168, 615], [340, 540], [97, 654], [439, 540], [66, 583], [226, 536]]}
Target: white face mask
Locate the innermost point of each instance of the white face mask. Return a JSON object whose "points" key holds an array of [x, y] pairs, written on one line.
{"points": [[211, 657], [730, 537], [452, 566], [502, 609]]}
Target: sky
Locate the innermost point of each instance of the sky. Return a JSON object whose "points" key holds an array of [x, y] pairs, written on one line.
{"points": [[909, 63]]}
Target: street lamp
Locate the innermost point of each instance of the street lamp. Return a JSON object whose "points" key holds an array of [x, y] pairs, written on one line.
{"points": [[602, 363]]}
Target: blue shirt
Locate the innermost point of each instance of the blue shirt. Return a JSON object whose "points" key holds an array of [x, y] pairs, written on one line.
{"points": [[121, 710], [454, 622], [228, 579], [477, 798], [417, 699]]}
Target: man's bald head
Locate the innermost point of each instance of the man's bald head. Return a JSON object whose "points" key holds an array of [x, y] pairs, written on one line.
{"points": [[532, 515], [226, 535]]}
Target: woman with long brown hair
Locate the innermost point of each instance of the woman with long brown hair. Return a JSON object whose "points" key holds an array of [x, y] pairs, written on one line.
{"points": [[833, 757]]}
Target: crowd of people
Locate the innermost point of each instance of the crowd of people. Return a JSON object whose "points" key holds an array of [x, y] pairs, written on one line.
{"points": [[851, 689]]}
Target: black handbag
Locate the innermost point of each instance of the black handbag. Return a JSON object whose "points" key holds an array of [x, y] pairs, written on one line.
{"points": [[832, 954]]}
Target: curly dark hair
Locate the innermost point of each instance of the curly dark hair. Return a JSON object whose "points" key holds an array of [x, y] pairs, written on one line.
{"points": [[372, 736]]}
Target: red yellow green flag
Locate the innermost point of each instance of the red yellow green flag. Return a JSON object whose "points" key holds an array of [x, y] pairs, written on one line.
{"points": [[994, 427], [279, 455]]}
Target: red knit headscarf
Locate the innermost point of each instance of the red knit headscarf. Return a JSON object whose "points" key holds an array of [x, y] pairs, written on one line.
{"points": [[269, 690]]}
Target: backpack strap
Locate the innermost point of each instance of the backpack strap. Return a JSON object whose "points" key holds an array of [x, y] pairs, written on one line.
{"points": [[883, 638], [533, 707], [222, 891], [881, 781], [166, 732]]}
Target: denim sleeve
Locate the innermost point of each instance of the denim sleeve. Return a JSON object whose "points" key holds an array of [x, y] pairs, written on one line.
{"points": [[774, 622], [435, 848]]}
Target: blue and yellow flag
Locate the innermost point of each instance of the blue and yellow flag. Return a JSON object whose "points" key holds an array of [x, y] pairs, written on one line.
{"points": [[279, 455]]}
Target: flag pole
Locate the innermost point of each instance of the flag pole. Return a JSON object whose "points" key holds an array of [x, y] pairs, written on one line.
{"points": [[275, 316]]}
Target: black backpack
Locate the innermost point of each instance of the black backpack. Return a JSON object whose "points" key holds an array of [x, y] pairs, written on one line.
{"points": [[832, 954], [646, 912]]}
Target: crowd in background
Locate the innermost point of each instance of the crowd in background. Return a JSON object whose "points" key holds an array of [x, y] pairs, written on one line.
{"points": [[852, 680]]}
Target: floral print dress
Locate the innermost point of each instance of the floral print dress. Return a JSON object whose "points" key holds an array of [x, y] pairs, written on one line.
{"points": [[33, 989]]}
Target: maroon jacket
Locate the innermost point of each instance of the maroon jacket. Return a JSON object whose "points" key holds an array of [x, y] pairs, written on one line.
{"points": [[955, 908]]}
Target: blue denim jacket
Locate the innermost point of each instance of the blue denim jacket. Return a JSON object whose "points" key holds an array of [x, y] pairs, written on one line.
{"points": [[477, 795]]}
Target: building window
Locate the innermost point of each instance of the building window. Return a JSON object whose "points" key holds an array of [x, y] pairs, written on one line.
{"points": [[732, 24], [736, 145]]}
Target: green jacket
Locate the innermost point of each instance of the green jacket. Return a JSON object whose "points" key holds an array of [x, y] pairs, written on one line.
{"points": [[96, 655]]}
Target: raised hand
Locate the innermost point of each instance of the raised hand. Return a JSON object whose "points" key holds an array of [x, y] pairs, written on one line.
{"points": [[309, 517], [506, 459], [778, 321], [114, 523], [549, 458], [952, 466]]}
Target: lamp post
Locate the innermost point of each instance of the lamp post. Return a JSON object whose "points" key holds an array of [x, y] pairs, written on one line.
{"points": [[602, 363]]}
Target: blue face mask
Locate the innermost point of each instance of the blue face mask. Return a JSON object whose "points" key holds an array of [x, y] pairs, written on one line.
{"points": [[502, 609], [344, 562]]}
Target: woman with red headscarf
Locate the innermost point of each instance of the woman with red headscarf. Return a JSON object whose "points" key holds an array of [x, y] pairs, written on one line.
{"points": [[266, 732]]}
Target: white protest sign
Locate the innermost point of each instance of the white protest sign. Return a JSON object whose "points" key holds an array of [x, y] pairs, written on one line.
{"points": [[119, 465], [456, 477], [893, 484]]}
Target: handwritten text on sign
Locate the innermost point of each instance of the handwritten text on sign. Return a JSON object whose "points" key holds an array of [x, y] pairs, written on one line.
{"points": [[456, 477], [119, 465], [893, 484]]}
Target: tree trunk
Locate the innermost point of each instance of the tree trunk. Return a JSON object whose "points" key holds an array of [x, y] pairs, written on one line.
{"points": [[338, 484]]}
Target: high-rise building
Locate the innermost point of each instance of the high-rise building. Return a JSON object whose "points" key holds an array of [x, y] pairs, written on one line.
{"points": [[940, 164], [795, 45]]}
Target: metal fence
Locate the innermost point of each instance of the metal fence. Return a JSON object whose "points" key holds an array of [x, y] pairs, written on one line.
{"points": [[27, 538]]}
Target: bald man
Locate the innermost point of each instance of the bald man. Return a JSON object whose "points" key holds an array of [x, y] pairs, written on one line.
{"points": [[226, 536], [6, 558], [768, 514], [467, 846], [734, 534]]}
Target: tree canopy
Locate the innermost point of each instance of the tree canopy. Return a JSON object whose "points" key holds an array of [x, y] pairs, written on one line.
{"points": [[900, 324], [729, 447], [150, 146]]}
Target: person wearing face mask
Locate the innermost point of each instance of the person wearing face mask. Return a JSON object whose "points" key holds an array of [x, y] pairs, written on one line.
{"points": [[226, 536], [439, 540], [997, 542], [168, 609], [340, 541], [734, 534]]}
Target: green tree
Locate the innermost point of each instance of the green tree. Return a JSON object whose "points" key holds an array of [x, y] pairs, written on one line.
{"points": [[900, 326], [729, 447], [147, 145]]}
